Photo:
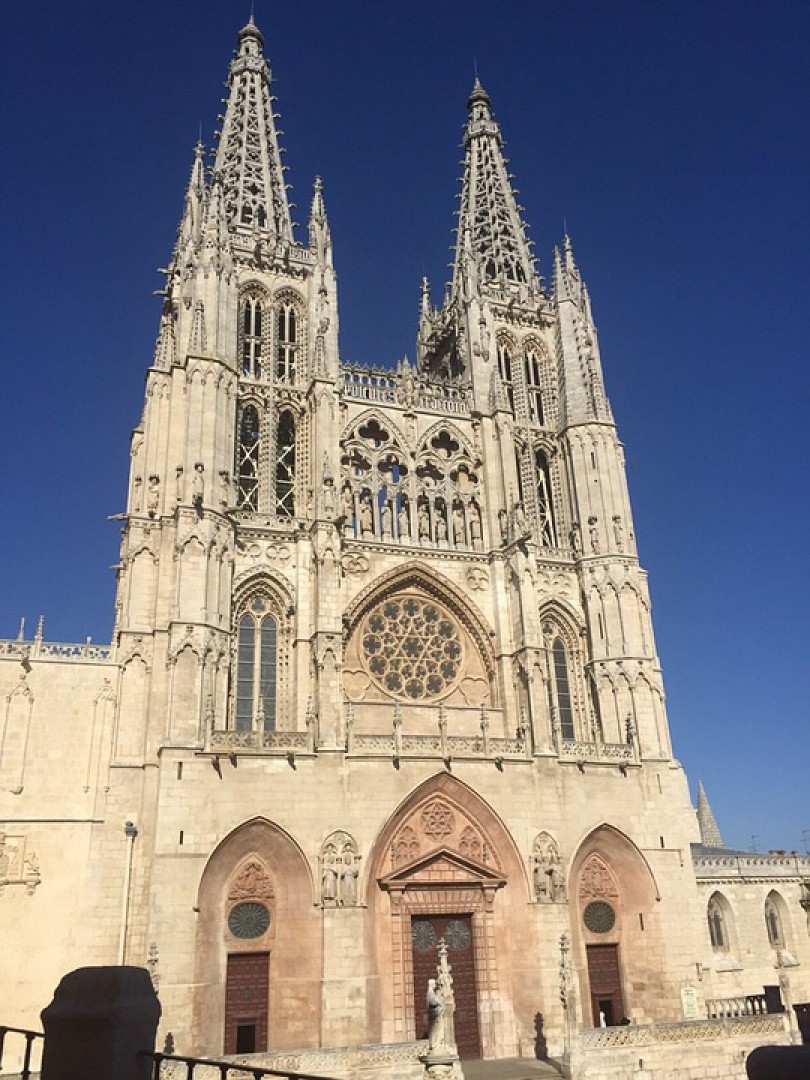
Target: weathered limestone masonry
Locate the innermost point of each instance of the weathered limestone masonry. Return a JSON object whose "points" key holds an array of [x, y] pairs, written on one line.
{"points": [[383, 671]]}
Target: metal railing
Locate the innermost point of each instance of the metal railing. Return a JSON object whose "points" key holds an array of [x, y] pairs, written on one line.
{"points": [[192, 1068], [30, 1038]]}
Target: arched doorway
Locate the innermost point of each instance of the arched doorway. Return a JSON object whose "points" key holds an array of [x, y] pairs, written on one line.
{"points": [[258, 946], [446, 867]]}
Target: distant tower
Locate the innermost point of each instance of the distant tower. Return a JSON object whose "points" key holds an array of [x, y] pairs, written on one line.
{"points": [[709, 832]]}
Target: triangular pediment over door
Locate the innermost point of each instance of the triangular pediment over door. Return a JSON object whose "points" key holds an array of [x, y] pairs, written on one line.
{"points": [[442, 870]]}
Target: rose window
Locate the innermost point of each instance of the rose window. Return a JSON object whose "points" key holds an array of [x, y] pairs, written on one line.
{"points": [[411, 648], [599, 917]]}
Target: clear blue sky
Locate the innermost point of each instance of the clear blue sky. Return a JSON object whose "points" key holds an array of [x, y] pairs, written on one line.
{"points": [[672, 139]]}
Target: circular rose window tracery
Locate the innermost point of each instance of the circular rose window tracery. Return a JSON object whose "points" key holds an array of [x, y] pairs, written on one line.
{"points": [[411, 648]]}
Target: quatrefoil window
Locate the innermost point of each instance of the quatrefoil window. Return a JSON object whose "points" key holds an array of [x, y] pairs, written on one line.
{"points": [[411, 648]]}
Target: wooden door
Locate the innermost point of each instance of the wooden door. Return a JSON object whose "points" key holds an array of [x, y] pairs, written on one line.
{"points": [[246, 1002], [457, 931], [605, 980]]}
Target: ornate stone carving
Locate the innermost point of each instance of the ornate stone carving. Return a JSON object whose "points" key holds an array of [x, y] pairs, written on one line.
{"points": [[405, 846], [339, 861], [438, 820], [252, 882], [17, 868], [548, 878], [597, 881]]}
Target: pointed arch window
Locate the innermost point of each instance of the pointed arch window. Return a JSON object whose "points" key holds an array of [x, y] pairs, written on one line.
{"points": [[773, 923], [534, 392], [505, 372], [247, 459], [718, 929], [252, 337], [256, 668], [562, 689], [286, 343], [285, 465], [545, 509]]}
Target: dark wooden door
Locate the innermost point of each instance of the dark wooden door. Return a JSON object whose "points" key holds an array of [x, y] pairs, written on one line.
{"points": [[606, 984], [246, 1000], [457, 931]]}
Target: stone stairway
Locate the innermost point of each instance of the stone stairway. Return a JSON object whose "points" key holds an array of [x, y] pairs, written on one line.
{"points": [[510, 1069]]}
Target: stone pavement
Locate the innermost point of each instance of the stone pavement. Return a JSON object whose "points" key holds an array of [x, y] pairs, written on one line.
{"points": [[509, 1069]]}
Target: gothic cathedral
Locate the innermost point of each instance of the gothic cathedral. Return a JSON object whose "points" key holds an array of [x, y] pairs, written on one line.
{"points": [[383, 670]]}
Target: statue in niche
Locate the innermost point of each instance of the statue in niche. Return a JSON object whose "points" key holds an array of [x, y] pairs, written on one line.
{"points": [[520, 526], [366, 515], [475, 525], [618, 532], [540, 881], [556, 888], [503, 524], [458, 524], [348, 885], [198, 484], [441, 525], [386, 518], [136, 493], [404, 521], [329, 881], [423, 521], [224, 488], [329, 507], [594, 535], [153, 494], [576, 538], [179, 483], [347, 508]]}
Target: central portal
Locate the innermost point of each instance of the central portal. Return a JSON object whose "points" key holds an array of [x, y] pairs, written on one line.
{"points": [[457, 931]]}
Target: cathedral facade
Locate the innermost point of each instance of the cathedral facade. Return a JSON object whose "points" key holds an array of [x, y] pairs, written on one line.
{"points": [[383, 669]]}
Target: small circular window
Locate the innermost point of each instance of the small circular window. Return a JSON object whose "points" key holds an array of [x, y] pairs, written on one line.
{"points": [[599, 917], [249, 920]]}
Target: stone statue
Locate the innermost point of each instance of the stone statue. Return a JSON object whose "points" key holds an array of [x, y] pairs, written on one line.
{"points": [[556, 884], [347, 507], [540, 882], [153, 494], [423, 521], [475, 525], [366, 517], [594, 534], [618, 533], [441, 526], [329, 881], [386, 519], [136, 493], [198, 484], [458, 525], [329, 497], [576, 538], [435, 1011], [224, 488], [348, 885], [404, 522], [179, 483], [503, 523], [519, 522]]}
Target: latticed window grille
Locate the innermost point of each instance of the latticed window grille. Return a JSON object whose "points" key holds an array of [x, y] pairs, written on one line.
{"points": [[286, 343], [545, 508], [247, 459], [252, 337], [256, 668], [285, 465], [534, 391]]}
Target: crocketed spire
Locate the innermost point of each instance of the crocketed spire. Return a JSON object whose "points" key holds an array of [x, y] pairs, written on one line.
{"points": [[248, 159], [709, 832], [491, 245]]}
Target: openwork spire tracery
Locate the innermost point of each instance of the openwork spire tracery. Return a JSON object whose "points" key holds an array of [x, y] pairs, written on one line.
{"points": [[491, 247], [248, 160]]}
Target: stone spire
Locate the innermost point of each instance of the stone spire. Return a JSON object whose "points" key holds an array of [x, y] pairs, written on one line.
{"points": [[320, 237], [709, 832], [491, 245], [248, 159]]}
